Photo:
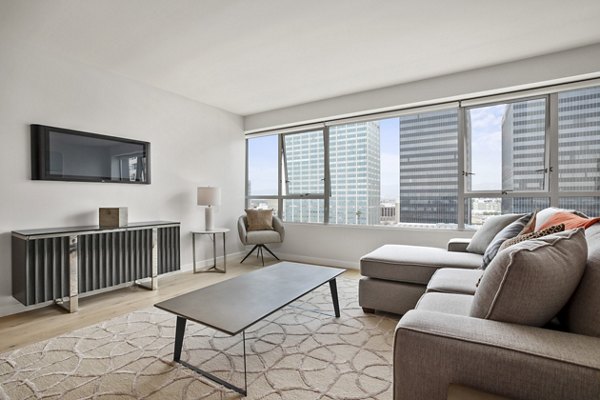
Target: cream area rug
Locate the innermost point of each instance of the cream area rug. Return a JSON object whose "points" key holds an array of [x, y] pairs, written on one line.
{"points": [[300, 352]]}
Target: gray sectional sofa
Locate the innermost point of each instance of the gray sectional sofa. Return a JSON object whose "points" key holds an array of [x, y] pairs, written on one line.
{"points": [[396, 276], [438, 344]]}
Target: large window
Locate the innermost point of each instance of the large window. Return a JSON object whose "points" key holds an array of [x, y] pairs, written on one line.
{"points": [[579, 150], [429, 169], [506, 165], [262, 166], [435, 168], [286, 172], [354, 159]]}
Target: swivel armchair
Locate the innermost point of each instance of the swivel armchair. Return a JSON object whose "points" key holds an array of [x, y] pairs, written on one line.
{"points": [[260, 238]]}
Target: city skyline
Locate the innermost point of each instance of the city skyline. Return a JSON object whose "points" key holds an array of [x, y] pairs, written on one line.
{"points": [[506, 152], [487, 133]]}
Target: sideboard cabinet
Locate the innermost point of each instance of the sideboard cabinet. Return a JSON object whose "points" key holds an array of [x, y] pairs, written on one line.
{"points": [[58, 264]]}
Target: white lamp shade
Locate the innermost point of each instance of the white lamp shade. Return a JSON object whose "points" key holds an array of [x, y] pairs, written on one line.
{"points": [[209, 196]]}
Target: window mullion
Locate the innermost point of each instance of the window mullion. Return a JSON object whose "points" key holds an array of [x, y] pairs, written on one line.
{"points": [[553, 149], [279, 176], [326, 175], [461, 154], [247, 178]]}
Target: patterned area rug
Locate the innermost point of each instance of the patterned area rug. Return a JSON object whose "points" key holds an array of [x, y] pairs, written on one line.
{"points": [[300, 352]]}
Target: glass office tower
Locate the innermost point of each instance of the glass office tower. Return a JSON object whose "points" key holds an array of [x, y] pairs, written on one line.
{"points": [[354, 172], [428, 167]]}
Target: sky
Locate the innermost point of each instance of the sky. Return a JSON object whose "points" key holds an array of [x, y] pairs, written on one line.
{"points": [[486, 142], [486, 145]]}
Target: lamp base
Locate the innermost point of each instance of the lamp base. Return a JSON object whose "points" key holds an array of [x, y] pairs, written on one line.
{"points": [[208, 219]]}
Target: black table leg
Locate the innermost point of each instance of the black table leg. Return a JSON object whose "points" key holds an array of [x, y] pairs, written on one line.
{"points": [[179, 333], [334, 297], [179, 330]]}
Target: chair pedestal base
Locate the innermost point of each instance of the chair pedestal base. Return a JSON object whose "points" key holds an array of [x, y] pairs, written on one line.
{"points": [[260, 248]]}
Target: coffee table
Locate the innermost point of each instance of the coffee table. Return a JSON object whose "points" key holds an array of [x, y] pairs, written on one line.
{"points": [[234, 305]]}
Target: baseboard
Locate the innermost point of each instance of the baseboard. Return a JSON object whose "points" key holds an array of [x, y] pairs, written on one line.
{"points": [[209, 261], [330, 262]]}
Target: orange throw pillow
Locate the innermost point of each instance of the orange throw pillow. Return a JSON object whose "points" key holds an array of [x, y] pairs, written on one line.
{"points": [[570, 220]]}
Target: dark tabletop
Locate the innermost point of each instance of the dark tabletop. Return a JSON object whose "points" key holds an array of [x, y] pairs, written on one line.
{"points": [[88, 228], [233, 305]]}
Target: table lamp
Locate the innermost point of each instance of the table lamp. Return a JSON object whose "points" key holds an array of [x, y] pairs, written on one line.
{"points": [[208, 197]]}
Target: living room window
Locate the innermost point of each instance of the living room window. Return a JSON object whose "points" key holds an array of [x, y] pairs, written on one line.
{"points": [[286, 172], [579, 150], [444, 166], [356, 171], [506, 158]]}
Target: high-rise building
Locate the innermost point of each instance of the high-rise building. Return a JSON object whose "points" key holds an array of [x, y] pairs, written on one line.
{"points": [[304, 173], [523, 151], [354, 173], [428, 167], [579, 148], [524, 154]]}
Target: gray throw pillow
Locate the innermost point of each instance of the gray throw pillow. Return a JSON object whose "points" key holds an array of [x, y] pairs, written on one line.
{"points": [[530, 282], [508, 232], [490, 228], [582, 314]]}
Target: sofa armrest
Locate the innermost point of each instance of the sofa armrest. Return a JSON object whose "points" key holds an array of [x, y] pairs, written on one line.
{"points": [[458, 244], [433, 350]]}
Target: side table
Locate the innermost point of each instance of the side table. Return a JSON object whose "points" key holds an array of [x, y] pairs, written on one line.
{"points": [[213, 235]]}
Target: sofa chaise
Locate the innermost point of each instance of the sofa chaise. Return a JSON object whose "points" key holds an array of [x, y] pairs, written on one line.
{"points": [[440, 344]]}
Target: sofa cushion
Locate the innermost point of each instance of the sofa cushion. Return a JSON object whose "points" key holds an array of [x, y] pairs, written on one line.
{"points": [[532, 235], [455, 280], [413, 264], [530, 227], [582, 314], [542, 216], [448, 303], [508, 232], [490, 228], [570, 220], [530, 282]]}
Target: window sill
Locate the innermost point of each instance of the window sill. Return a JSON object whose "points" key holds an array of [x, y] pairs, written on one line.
{"points": [[380, 227]]}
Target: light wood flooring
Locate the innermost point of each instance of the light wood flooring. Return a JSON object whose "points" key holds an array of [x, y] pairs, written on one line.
{"points": [[33, 326]]}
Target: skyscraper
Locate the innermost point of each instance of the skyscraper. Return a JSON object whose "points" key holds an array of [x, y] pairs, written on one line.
{"points": [[523, 151], [354, 173], [579, 148], [428, 167], [524, 154], [304, 173]]}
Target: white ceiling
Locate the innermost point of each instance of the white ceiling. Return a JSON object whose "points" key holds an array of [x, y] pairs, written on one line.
{"points": [[248, 56]]}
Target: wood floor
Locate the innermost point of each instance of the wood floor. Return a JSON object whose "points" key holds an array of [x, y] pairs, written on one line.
{"points": [[33, 326]]}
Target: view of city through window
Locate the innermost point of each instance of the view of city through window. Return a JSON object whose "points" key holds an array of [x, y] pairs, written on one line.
{"points": [[403, 171]]}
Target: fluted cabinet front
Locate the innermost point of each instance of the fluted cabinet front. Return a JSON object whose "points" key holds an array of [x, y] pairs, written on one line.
{"points": [[40, 266]]}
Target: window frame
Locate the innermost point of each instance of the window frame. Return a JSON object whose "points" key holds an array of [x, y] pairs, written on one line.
{"points": [[282, 175], [551, 147]]}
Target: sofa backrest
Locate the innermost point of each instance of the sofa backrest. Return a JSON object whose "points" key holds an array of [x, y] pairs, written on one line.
{"points": [[582, 314]]}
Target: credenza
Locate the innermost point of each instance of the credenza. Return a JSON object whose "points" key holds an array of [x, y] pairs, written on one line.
{"points": [[59, 264]]}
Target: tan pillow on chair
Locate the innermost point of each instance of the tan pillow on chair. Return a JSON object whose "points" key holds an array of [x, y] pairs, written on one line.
{"points": [[259, 220]]}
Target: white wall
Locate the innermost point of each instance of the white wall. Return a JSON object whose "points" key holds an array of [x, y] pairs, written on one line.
{"points": [[342, 246], [583, 62], [192, 144]]}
